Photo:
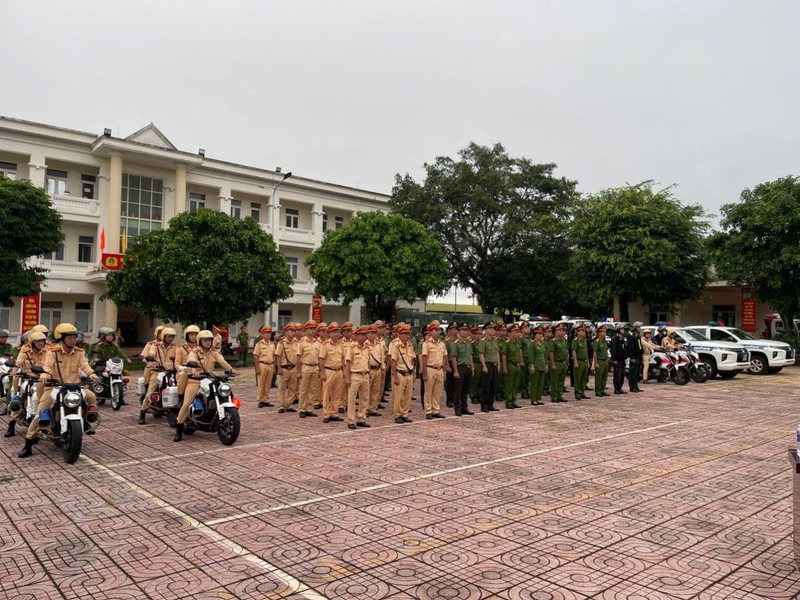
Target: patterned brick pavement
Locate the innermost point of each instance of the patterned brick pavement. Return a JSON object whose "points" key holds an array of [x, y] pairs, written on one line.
{"points": [[673, 493]]}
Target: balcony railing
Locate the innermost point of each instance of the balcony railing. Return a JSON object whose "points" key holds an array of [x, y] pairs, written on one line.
{"points": [[303, 287], [290, 234], [60, 269], [72, 205]]}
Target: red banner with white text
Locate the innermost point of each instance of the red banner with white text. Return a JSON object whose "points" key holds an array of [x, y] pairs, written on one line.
{"points": [[749, 310]]}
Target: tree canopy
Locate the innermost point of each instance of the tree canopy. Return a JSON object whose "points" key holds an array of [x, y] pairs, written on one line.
{"points": [[205, 268], [31, 226], [486, 208], [759, 245], [381, 258], [635, 242]]}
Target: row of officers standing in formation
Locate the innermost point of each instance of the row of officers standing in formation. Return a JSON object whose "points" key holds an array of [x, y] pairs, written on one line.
{"points": [[346, 370]]}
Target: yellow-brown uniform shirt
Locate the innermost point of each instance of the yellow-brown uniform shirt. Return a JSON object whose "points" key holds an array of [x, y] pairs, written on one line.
{"points": [[164, 355], [307, 351], [264, 351], [435, 351], [208, 359], [377, 354], [358, 357], [404, 355], [65, 365], [145, 351], [182, 353], [287, 354], [28, 357], [332, 355]]}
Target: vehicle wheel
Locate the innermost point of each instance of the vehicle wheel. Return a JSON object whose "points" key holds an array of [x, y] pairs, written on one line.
{"points": [[101, 401], [172, 417], [116, 396], [71, 441], [700, 374], [228, 427], [774, 370], [758, 364], [663, 374], [681, 376], [713, 371], [728, 374]]}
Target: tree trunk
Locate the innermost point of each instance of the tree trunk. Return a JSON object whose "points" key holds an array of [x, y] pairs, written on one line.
{"points": [[624, 314], [616, 312]]}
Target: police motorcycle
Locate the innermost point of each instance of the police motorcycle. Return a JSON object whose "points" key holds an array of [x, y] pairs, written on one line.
{"points": [[112, 384], [6, 364], [26, 398], [164, 401], [698, 370], [214, 408]]}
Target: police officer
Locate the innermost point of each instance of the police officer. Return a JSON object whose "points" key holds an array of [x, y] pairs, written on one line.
{"points": [[580, 361], [434, 366], [511, 359], [105, 348], [285, 358], [618, 355], [65, 363], [462, 368], [402, 357], [559, 356], [182, 357], [308, 362], [331, 373], [207, 357], [31, 355], [243, 339], [633, 344], [537, 366], [356, 378], [6, 349], [377, 360], [162, 358], [264, 359], [600, 362], [489, 354], [148, 370]]}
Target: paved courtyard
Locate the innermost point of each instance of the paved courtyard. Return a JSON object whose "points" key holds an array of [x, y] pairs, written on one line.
{"points": [[673, 493]]}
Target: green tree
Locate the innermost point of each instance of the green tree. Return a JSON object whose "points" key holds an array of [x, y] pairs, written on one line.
{"points": [[485, 208], [205, 268], [759, 245], [635, 242], [381, 258], [31, 226]]}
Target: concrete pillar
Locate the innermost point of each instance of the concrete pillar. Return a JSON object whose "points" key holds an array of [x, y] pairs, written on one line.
{"points": [[180, 189], [677, 316], [37, 170], [316, 224], [616, 308], [354, 313], [114, 204], [225, 200]]}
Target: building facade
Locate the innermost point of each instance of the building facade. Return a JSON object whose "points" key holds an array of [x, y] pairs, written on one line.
{"points": [[105, 184]]}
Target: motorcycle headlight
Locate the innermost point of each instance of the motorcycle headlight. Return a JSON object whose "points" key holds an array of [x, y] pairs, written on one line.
{"points": [[115, 368], [72, 400], [224, 390]]}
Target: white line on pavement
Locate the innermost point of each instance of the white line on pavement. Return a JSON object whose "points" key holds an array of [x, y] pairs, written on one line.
{"points": [[381, 486], [294, 584]]}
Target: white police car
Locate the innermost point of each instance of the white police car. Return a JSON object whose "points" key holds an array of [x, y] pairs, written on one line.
{"points": [[726, 359], [766, 356]]}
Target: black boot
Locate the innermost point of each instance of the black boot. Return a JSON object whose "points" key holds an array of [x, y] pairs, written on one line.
{"points": [[178, 433], [27, 450], [142, 413], [11, 426]]}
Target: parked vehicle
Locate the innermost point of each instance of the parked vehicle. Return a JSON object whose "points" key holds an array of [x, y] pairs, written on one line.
{"points": [[774, 326], [164, 401], [766, 356], [112, 384], [66, 424], [726, 359], [6, 364], [214, 407], [671, 367]]}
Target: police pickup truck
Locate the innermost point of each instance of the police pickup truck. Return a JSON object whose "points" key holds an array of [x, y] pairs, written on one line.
{"points": [[725, 359], [766, 356]]}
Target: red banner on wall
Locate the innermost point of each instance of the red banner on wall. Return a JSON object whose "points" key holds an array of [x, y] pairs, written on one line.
{"points": [[30, 311], [749, 310], [111, 262], [316, 308]]}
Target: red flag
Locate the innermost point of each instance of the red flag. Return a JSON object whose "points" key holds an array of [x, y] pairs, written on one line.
{"points": [[102, 239]]}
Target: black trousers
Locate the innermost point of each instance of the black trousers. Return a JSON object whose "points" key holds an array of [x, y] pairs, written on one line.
{"points": [[449, 388], [619, 375], [633, 373], [461, 389], [489, 386]]}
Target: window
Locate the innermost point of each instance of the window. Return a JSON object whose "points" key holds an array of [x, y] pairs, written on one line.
{"points": [[196, 201], [324, 222], [85, 248], [291, 262], [236, 209], [5, 317], [284, 318], [292, 218], [656, 316], [58, 254], [255, 211], [142, 204], [56, 182], [87, 186], [725, 313], [8, 170], [82, 312], [51, 314], [338, 222]]}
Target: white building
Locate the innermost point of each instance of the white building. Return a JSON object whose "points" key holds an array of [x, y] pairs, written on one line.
{"points": [[137, 184]]}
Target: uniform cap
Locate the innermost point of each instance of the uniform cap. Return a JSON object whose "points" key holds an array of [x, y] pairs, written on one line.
{"points": [[322, 327], [601, 328], [434, 324], [334, 327], [463, 326], [452, 325], [362, 330], [559, 326], [310, 325], [489, 325], [265, 329], [580, 328], [348, 326], [538, 330], [526, 325], [513, 328], [501, 327], [379, 323]]}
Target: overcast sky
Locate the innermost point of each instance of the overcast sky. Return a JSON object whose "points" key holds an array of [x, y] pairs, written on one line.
{"points": [[702, 94]]}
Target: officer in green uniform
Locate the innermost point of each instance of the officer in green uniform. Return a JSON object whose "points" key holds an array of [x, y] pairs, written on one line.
{"points": [[600, 362], [106, 348], [6, 349], [475, 384], [489, 354], [548, 348], [511, 357], [580, 360], [537, 366], [524, 381], [244, 346], [558, 365], [449, 383], [502, 338]]}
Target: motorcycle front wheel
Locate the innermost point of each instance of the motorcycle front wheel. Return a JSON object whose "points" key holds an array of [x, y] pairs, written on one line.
{"points": [[116, 396], [71, 441], [700, 374], [681, 376], [229, 426], [172, 417]]}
